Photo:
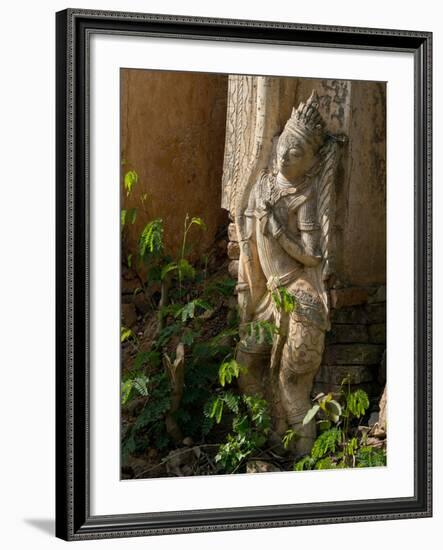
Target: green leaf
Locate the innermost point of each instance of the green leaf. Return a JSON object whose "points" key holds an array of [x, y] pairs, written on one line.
{"points": [[130, 179], [333, 410], [325, 464], [132, 215], [311, 414], [151, 238], [125, 392], [188, 310], [305, 463], [323, 425], [126, 334], [232, 401], [284, 300], [368, 457], [217, 409], [229, 370], [123, 218], [288, 437], [188, 337], [326, 442], [140, 385], [357, 402], [168, 268], [186, 269], [351, 446], [262, 331], [197, 221]]}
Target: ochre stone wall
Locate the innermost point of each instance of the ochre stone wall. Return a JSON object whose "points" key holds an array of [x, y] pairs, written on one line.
{"points": [[172, 135]]}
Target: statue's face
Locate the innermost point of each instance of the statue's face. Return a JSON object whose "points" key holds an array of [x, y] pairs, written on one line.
{"points": [[294, 156]]}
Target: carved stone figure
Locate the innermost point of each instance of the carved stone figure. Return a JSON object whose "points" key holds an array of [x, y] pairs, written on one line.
{"points": [[286, 253]]}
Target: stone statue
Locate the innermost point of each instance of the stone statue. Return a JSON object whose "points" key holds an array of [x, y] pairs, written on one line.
{"points": [[286, 247]]}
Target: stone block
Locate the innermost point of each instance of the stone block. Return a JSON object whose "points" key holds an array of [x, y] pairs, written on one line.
{"points": [[335, 374], [353, 354], [378, 296], [377, 333], [376, 313], [356, 315], [232, 232], [233, 251], [345, 297], [344, 334]]}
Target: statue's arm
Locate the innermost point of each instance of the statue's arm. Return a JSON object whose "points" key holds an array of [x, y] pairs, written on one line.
{"points": [[299, 249], [303, 248]]}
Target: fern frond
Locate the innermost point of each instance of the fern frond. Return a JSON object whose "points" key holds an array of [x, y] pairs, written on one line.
{"points": [[326, 442], [357, 402], [151, 239]]}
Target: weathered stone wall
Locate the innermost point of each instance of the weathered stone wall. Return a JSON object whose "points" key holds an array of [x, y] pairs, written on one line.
{"points": [[355, 345], [172, 135]]}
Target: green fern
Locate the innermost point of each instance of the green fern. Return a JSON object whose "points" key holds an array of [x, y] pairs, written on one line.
{"points": [[284, 300], [357, 402], [326, 442], [229, 370], [188, 310], [151, 239], [325, 464], [262, 331], [130, 179], [370, 457], [232, 401], [288, 437], [305, 463]]}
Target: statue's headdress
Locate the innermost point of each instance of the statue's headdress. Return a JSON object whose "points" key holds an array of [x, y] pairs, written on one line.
{"points": [[307, 121]]}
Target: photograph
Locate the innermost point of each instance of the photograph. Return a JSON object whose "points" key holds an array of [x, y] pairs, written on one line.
{"points": [[253, 274]]}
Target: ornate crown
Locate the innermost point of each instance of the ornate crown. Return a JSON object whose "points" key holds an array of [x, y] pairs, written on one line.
{"points": [[307, 120]]}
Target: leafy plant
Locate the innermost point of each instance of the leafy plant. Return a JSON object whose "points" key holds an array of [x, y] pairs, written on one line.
{"points": [[284, 300], [129, 180], [138, 384], [340, 444], [262, 331], [209, 402], [288, 436], [250, 427], [229, 370]]}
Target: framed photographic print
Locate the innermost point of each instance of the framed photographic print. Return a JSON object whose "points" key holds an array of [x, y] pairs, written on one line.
{"points": [[243, 274]]}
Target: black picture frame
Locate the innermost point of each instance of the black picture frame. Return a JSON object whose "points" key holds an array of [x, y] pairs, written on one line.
{"points": [[74, 28]]}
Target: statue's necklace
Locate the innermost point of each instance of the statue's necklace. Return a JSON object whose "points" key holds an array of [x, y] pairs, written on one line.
{"points": [[277, 189]]}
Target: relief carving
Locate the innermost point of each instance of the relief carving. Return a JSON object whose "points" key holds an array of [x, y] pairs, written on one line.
{"points": [[279, 189]]}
